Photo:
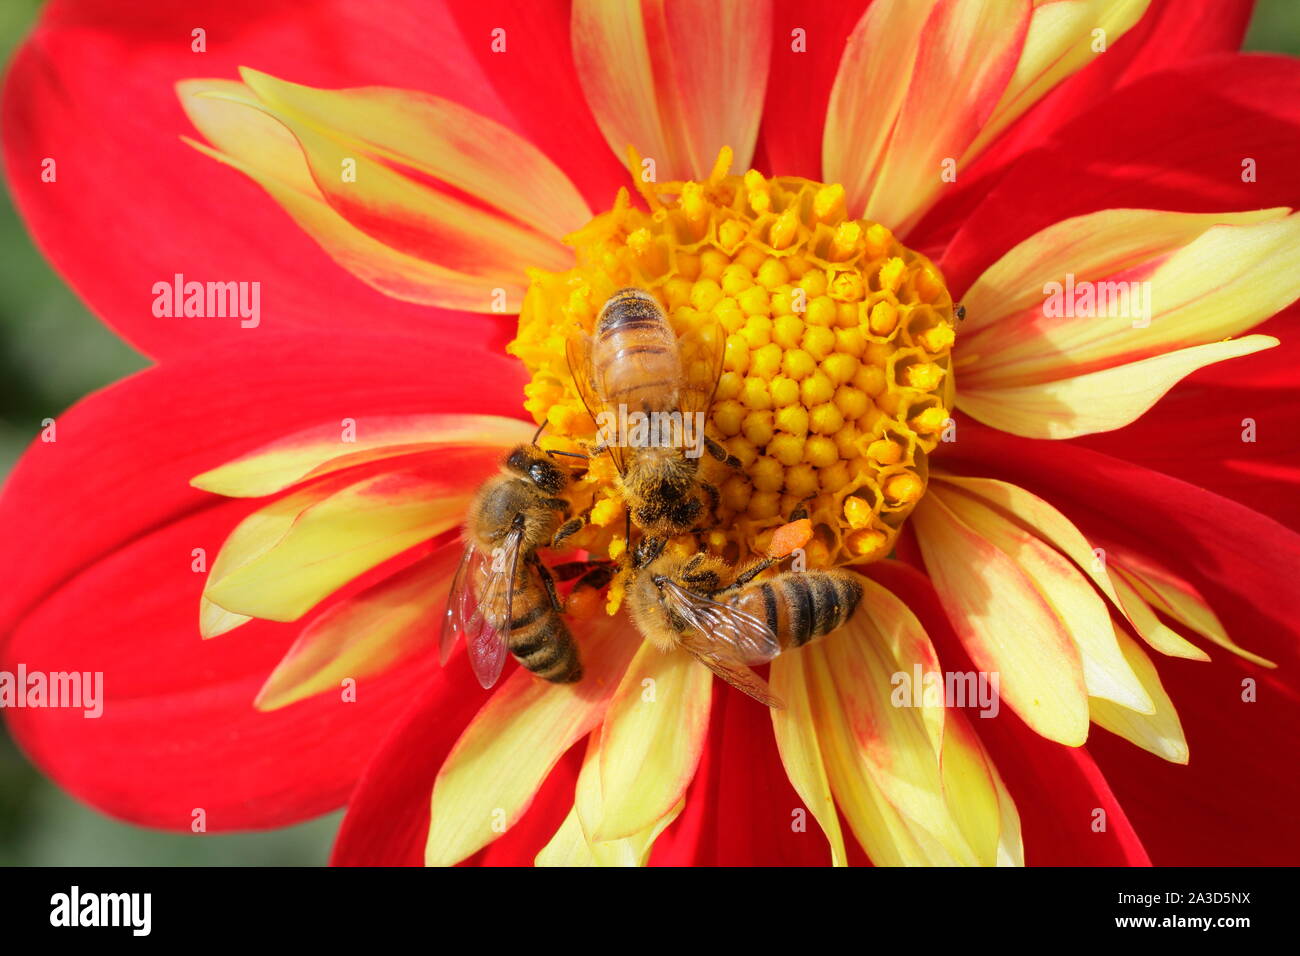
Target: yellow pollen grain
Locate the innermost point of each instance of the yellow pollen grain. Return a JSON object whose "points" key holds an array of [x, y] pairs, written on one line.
{"points": [[891, 274], [784, 229], [905, 487], [938, 339], [924, 376], [845, 241], [884, 317], [885, 451], [606, 511], [857, 512], [828, 202], [835, 357]]}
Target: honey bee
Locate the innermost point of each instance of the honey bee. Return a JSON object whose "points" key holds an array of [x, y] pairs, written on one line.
{"points": [[634, 368], [701, 604], [503, 597]]}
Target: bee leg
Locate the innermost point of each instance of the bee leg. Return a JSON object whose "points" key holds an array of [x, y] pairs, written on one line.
{"points": [[714, 496], [568, 570], [751, 572], [801, 511], [597, 577], [570, 528], [566, 454], [720, 453], [548, 582], [647, 549]]}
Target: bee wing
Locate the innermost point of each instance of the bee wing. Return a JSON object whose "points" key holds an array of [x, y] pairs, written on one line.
{"points": [[461, 603], [490, 624], [701, 350], [726, 631], [578, 351], [736, 674]]}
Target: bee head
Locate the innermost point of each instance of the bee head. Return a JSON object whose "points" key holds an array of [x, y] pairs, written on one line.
{"points": [[532, 463]]}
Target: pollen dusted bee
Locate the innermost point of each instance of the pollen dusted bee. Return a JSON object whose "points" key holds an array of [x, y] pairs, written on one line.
{"points": [[503, 597], [726, 621], [634, 362]]}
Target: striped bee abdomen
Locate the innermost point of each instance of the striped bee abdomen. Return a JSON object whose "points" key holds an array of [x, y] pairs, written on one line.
{"points": [[800, 606], [538, 638], [636, 352]]}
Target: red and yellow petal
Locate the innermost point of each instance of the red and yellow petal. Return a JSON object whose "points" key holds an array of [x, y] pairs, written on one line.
{"points": [[1175, 285], [894, 119], [1006, 625], [348, 167], [120, 159], [678, 82], [379, 628], [503, 756]]}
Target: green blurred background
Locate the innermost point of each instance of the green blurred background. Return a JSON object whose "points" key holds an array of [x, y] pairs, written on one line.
{"points": [[53, 352]]}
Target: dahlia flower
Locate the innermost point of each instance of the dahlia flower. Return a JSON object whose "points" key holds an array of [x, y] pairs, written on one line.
{"points": [[1006, 292]]}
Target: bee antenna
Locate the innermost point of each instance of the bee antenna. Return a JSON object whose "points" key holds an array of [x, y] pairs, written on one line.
{"points": [[538, 434]]}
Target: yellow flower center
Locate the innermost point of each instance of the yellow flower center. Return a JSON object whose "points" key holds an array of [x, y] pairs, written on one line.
{"points": [[836, 380]]}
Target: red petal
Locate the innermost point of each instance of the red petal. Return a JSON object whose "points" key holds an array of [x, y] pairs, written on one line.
{"points": [[799, 84], [93, 89], [178, 732], [1195, 432], [538, 82], [1159, 143], [747, 806], [387, 821], [1237, 793], [100, 528], [1056, 789]]}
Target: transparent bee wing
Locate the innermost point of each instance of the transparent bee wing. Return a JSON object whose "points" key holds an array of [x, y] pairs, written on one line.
{"points": [[489, 626], [578, 351], [725, 631], [737, 675], [701, 350], [461, 603]]}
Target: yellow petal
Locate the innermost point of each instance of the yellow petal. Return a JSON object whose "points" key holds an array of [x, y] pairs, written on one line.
{"points": [[947, 66], [1159, 732], [252, 538], [440, 139], [337, 540], [1044, 520], [1150, 628], [888, 838], [572, 845], [651, 740], [1007, 627], [1106, 673], [324, 449], [1098, 401], [1122, 285], [402, 237], [367, 634], [1174, 597], [677, 81], [977, 798], [1095, 247], [800, 749], [894, 742], [507, 751], [1060, 42], [875, 691]]}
